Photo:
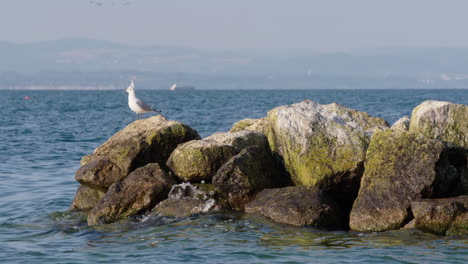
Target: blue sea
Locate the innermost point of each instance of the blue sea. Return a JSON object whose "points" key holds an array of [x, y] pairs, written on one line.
{"points": [[43, 138]]}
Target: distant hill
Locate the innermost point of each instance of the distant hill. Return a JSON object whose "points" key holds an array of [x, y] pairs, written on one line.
{"points": [[96, 62]]}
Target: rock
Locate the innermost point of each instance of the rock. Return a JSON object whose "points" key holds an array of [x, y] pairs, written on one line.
{"points": [[199, 160], [459, 226], [438, 215], [247, 173], [400, 167], [240, 139], [86, 198], [258, 125], [186, 199], [299, 206], [99, 174], [142, 142], [402, 124], [140, 191], [441, 120], [321, 144]]}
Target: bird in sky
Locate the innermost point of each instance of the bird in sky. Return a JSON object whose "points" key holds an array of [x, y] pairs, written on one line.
{"points": [[136, 105]]}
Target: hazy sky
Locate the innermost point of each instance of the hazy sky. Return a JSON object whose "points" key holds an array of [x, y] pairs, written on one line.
{"points": [[270, 25]]}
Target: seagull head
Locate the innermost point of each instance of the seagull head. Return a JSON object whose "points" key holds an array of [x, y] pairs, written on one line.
{"points": [[130, 87]]}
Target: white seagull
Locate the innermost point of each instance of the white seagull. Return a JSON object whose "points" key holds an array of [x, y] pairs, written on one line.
{"points": [[138, 106]]}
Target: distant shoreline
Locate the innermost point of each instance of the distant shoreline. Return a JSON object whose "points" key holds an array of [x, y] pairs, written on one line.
{"points": [[60, 88]]}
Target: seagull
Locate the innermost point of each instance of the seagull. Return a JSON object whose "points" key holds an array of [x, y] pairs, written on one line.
{"points": [[135, 104]]}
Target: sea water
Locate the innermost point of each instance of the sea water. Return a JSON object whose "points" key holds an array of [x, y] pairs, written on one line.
{"points": [[44, 134]]}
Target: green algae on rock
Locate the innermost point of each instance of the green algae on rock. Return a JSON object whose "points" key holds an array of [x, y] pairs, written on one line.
{"points": [[198, 160], [320, 144], [140, 191], [141, 142], [441, 120], [438, 216], [400, 167]]}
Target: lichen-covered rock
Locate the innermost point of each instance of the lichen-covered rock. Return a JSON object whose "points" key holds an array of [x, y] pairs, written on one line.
{"points": [[438, 215], [86, 198], [258, 125], [247, 173], [441, 120], [187, 199], [240, 139], [401, 124], [199, 160], [320, 144], [140, 191], [299, 206], [400, 167], [142, 142]]}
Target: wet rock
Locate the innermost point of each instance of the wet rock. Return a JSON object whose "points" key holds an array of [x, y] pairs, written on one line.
{"points": [[247, 173], [400, 167], [240, 139], [186, 199], [258, 125], [459, 226], [299, 206], [402, 124], [321, 144], [438, 215], [199, 160], [86, 198], [441, 120], [137, 193]]}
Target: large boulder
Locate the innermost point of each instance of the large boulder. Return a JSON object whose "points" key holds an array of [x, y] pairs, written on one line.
{"points": [[299, 206], [321, 144], [141, 142], [441, 120], [247, 173], [438, 215], [187, 199], [400, 167], [86, 198], [198, 160], [140, 191], [240, 139], [258, 125]]}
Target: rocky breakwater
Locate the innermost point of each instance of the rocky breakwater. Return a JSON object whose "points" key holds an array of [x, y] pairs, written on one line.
{"points": [[305, 164]]}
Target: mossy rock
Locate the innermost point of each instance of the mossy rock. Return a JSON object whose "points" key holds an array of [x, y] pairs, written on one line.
{"points": [[137, 193], [441, 120], [141, 142], [459, 226], [437, 216], [199, 160], [400, 167], [320, 144]]}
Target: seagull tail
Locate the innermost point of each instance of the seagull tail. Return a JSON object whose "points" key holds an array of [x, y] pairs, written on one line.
{"points": [[157, 111]]}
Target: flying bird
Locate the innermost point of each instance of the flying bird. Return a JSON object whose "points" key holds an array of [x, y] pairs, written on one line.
{"points": [[135, 104]]}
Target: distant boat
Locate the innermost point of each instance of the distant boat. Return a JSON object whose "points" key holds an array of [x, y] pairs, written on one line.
{"points": [[174, 87]]}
